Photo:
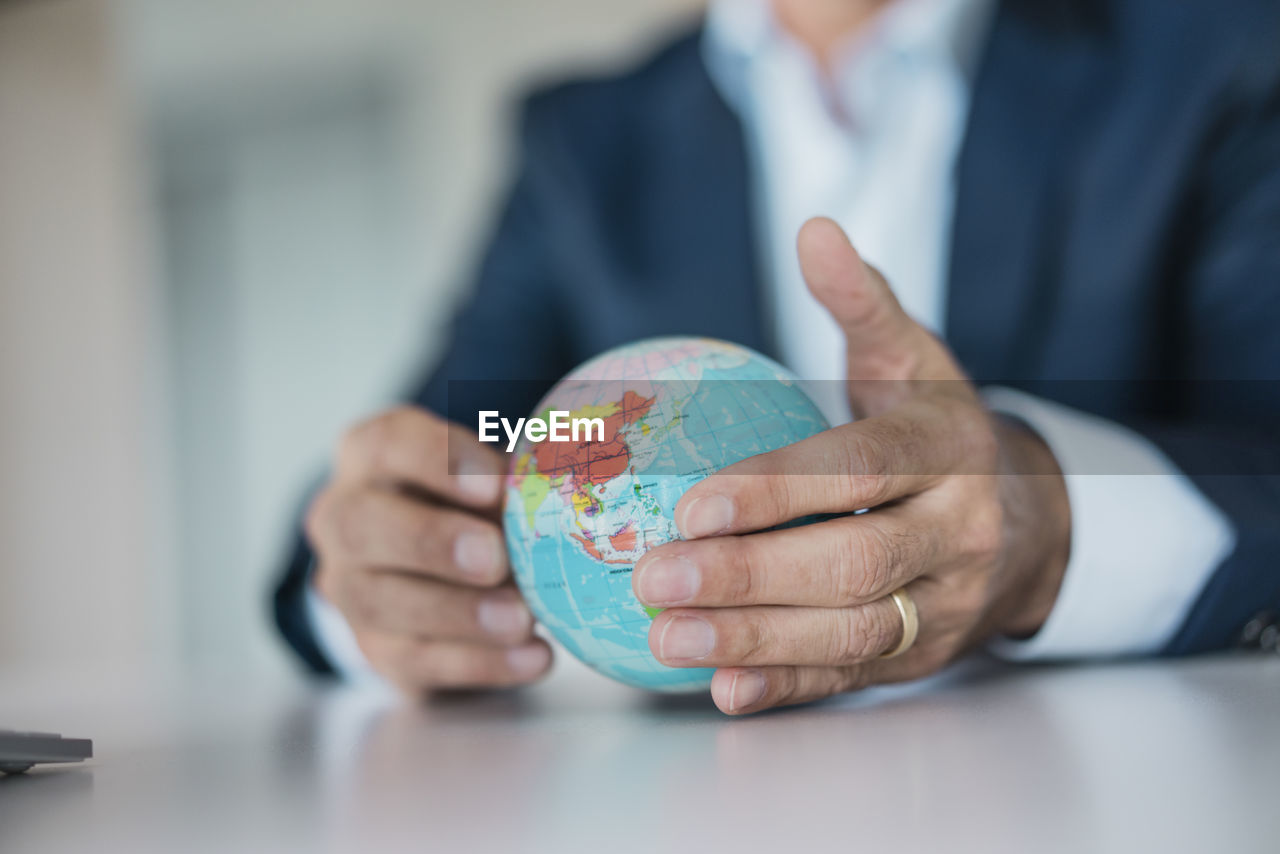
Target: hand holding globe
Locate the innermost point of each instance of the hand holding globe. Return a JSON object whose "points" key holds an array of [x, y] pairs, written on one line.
{"points": [[966, 535], [709, 441]]}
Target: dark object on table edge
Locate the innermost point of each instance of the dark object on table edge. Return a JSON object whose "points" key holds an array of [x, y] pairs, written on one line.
{"points": [[19, 751]]}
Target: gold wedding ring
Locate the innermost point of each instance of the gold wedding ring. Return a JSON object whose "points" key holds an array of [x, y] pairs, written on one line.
{"points": [[910, 622]]}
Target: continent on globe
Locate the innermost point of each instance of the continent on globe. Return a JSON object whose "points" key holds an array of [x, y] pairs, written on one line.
{"points": [[578, 515]]}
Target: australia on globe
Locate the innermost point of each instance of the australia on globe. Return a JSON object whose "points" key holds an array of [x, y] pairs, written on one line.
{"points": [[578, 515]]}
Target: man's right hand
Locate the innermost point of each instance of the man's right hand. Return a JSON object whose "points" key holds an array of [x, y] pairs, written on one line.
{"points": [[413, 556]]}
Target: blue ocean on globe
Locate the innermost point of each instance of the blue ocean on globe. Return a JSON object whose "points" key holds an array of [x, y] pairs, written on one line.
{"points": [[578, 515]]}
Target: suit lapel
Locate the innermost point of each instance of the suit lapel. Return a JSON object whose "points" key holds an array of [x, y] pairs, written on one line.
{"points": [[1040, 61], [700, 180]]}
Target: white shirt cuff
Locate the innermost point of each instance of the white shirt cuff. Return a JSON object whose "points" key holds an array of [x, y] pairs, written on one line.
{"points": [[1144, 540], [336, 641]]}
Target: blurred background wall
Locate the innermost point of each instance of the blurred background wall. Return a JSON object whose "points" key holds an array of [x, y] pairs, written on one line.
{"points": [[226, 230]]}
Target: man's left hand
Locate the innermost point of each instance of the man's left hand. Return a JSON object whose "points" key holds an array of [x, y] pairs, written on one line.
{"points": [[966, 511]]}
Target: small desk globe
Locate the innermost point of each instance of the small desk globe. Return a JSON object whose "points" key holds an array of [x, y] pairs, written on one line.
{"points": [[578, 515]]}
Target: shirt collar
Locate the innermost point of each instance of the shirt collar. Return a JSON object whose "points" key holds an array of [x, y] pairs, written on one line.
{"points": [[951, 32]]}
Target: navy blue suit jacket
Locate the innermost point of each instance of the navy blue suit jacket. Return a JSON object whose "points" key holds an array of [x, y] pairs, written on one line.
{"points": [[1116, 245]]}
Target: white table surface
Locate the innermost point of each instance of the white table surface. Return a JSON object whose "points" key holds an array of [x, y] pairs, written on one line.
{"points": [[1159, 757]]}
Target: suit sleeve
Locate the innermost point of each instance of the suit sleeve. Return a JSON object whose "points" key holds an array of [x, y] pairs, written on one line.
{"points": [[505, 344], [1228, 439], [1144, 539]]}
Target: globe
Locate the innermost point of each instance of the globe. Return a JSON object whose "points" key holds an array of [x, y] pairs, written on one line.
{"points": [[658, 415]]}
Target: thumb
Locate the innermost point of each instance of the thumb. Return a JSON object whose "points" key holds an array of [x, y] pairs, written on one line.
{"points": [[888, 354], [882, 341]]}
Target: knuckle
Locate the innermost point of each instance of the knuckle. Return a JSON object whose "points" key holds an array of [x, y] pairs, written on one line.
{"points": [[861, 306], [900, 364], [430, 538], [851, 678], [844, 581], [831, 682], [843, 642], [865, 464], [862, 454], [785, 497], [412, 608], [371, 445], [904, 440], [882, 628], [335, 522], [753, 638], [744, 565], [873, 555], [764, 486], [870, 489], [771, 494], [349, 527], [426, 537], [789, 493], [361, 602], [859, 634]]}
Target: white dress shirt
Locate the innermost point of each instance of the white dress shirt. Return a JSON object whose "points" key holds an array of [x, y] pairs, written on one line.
{"points": [[873, 145]]}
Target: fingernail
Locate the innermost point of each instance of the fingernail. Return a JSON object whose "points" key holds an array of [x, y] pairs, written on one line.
{"points": [[667, 581], [503, 617], [746, 689], [708, 515], [478, 555], [528, 660], [686, 638], [478, 482]]}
